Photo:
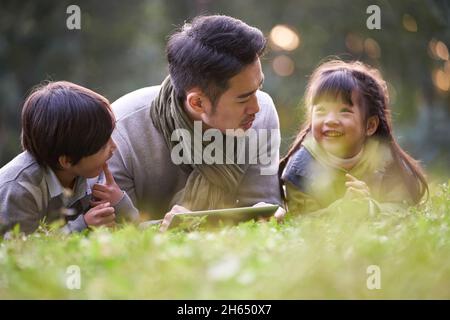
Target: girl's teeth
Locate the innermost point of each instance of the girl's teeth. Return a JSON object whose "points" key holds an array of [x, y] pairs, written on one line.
{"points": [[333, 134]]}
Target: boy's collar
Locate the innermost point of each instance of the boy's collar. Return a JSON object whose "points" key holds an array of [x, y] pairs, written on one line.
{"points": [[55, 188]]}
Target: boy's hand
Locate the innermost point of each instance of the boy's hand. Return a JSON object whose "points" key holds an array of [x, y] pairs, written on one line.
{"points": [[101, 215], [356, 188], [169, 216], [108, 192]]}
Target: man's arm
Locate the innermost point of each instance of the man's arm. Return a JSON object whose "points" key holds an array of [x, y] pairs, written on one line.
{"points": [[120, 168], [129, 136]]}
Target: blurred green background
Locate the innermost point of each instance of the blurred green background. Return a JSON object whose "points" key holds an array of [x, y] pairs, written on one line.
{"points": [[121, 48]]}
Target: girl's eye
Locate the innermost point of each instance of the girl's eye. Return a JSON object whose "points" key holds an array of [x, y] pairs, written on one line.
{"points": [[319, 110], [346, 110]]}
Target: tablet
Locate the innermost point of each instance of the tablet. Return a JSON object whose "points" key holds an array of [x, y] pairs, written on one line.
{"points": [[216, 217]]}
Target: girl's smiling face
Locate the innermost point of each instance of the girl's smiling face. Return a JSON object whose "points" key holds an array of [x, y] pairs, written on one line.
{"points": [[340, 128]]}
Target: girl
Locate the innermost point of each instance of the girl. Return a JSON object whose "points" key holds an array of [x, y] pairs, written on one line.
{"points": [[347, 149]]}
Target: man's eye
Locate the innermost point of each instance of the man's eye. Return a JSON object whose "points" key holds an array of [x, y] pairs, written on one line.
{"points": [[242, 102]]}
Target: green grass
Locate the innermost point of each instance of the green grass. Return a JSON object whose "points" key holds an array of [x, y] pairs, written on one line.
{"points": [[306, 257]]}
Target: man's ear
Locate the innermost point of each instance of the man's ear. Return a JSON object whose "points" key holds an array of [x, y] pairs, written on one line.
{"points": [[65, 162], [196, 101], [372, 125]]}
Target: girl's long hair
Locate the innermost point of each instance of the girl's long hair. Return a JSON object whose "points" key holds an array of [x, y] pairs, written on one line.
{"points": [[337, 80]]}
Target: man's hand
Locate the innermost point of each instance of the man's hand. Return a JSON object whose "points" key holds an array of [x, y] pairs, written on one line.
{"points": [[101, 215], [176, 209], [356, 189], [279, 214], [108, 192]]}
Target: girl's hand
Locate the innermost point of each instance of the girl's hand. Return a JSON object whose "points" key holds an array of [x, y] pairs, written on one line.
{"points": [[108, 192], [356, 188]]}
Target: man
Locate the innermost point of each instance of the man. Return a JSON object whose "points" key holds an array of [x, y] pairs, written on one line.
{"points": [[215, 76]]}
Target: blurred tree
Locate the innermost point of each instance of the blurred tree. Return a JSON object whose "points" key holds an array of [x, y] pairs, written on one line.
{"points": [[113, 53], [120, 48]]}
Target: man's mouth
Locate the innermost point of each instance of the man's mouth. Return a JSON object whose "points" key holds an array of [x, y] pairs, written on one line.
{"points": [[248, 122], [332, 133]]}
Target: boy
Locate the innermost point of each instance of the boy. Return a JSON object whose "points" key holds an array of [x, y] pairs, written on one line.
{"points": [[66, 135]]}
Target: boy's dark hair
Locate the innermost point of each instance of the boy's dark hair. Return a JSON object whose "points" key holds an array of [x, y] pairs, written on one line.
{"points": [[62, 118], [209, 51]]}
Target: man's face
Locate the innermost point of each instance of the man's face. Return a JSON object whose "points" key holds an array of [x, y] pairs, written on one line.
{"points": [[237, 107]]}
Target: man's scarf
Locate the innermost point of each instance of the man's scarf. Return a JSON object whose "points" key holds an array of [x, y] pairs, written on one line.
{"points": [[209, 186]]}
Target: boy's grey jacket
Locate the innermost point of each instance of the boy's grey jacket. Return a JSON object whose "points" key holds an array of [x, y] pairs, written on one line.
{"points": [[142, 164], [29, 194]]}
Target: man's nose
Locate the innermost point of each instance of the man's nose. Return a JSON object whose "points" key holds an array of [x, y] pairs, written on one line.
{"points": [[253, 108]]}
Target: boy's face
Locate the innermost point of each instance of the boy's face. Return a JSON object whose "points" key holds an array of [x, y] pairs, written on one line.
{"points": [[91, 166], [237, 107], [339, 128]]}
